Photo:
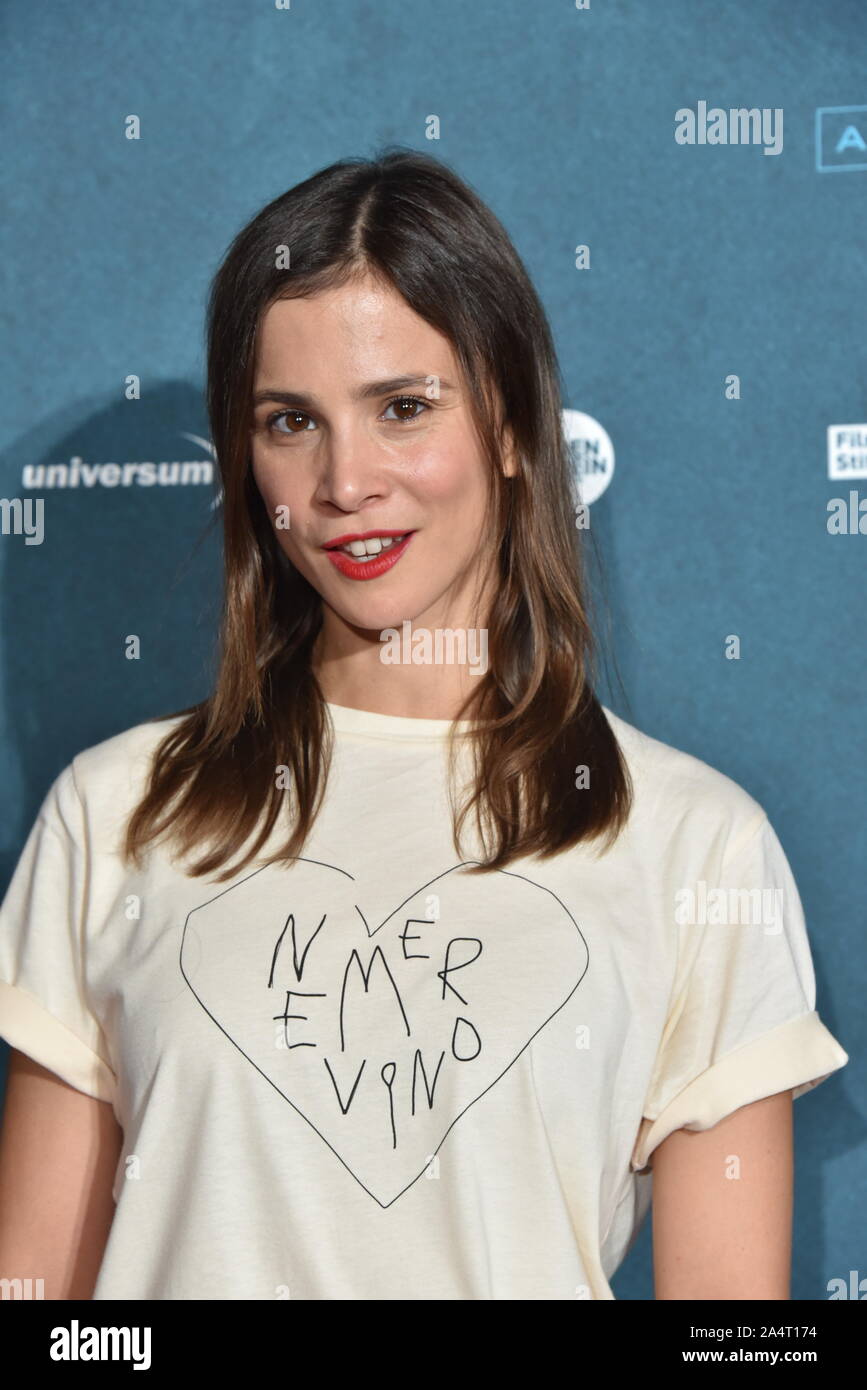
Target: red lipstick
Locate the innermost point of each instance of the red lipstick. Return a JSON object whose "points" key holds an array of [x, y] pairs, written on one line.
{"points": [[366, 569]]}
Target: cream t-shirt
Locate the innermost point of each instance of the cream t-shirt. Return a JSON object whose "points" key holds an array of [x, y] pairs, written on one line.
{"points": [[373, 1075]]}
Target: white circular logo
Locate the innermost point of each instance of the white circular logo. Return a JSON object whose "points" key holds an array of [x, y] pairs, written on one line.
{"points": [[592, 453]]}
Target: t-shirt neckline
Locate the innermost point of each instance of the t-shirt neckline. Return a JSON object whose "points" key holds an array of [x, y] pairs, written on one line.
{"points": [[347, 720]]}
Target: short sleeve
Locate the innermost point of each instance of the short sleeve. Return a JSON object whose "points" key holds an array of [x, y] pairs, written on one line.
{"points": [[44, 1009], [743, 1023]]}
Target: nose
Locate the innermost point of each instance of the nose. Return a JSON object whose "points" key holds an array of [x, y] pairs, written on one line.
{"points": [[352, 470]]}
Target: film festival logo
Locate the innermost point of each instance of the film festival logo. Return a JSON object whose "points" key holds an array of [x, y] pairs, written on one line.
{"points": [[847, 459], [592, 454]]}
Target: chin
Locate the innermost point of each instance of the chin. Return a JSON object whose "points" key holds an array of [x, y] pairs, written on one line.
{"points": [[373, 613]]}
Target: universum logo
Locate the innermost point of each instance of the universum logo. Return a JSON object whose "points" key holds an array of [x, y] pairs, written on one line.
{"points": [[76, 1343], [145, 473]]}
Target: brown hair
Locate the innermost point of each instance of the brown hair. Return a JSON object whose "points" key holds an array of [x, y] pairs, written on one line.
{"points": [[408, 219]]}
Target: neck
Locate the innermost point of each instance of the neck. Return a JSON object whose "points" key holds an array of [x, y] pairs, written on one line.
{"points": [[411, 671]]}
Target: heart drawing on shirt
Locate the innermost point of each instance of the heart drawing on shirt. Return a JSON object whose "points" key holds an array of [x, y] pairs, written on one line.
{"points": [[382, 1037]]}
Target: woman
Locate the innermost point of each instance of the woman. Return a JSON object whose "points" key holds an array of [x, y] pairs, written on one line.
{"points": [[399, 966]]}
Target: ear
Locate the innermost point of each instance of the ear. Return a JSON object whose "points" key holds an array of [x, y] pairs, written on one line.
{"points": [[509, 454]]}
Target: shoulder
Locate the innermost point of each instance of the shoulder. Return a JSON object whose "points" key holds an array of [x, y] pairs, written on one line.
{"points": [[681, 799], [101, 786]]}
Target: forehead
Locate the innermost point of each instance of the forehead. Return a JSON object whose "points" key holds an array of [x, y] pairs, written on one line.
{"points": [[354, 330]]}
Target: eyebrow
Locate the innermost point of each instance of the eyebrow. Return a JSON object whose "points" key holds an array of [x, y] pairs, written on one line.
{"points": [[368, 391]]}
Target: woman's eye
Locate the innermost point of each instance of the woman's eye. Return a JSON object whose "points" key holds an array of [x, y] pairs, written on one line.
{"points": [[292, 418], [401, 401]]}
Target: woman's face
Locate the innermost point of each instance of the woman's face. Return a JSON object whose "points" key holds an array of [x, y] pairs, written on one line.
{"points": [[341, 455]]}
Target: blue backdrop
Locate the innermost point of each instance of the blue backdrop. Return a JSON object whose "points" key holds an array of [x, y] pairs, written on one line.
{"points": [[716, 334]]}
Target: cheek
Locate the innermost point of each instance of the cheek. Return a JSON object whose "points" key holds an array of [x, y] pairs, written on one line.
{"points": [[283, 502], [272, 484], [453, 477]]}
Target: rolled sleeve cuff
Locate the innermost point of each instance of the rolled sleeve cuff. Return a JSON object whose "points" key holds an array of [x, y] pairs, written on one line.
{"points": [[796, 1056], [27, 1025]]}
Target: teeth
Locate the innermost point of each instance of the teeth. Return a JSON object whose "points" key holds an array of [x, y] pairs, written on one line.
{"points": [[363, 550]]}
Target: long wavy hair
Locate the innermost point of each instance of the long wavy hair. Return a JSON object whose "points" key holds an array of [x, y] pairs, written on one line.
{"points": [[409, 220]]}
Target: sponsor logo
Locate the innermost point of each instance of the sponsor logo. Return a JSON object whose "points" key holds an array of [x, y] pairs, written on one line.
{"points": [[847, 451], [841, 139], [76, 473], [592, 454]]}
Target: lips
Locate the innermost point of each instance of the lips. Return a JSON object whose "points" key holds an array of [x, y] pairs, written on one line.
{"points": [[354, 566]]}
